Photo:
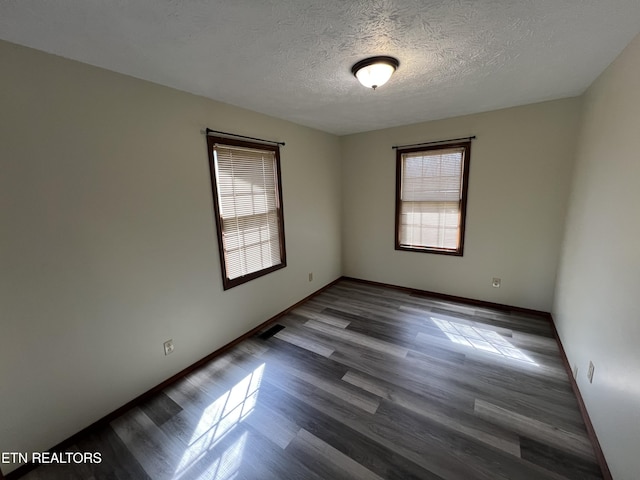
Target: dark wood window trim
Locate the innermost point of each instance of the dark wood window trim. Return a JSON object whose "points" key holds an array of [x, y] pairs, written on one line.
{"points": [[227, 282], [466, 146]]}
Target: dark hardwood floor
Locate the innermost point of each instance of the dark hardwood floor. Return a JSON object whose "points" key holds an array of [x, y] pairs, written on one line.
{"points": [[364, 382]]}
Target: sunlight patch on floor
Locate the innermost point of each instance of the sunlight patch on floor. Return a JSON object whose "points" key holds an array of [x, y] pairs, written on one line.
{"points": [[481, 339], [217, 420]]}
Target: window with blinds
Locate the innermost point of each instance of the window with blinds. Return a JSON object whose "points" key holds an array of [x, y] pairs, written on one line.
{"points": [[247, 197], [431, 198]]}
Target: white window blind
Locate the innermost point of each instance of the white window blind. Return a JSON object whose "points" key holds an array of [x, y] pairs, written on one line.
{"points": [[249, 209], [431, 193]]}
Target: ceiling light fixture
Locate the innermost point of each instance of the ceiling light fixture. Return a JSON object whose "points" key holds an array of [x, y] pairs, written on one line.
{"points": [[375, 71]]}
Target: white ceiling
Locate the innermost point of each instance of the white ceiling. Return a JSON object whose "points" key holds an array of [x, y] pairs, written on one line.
{"points": [[292, 58]]}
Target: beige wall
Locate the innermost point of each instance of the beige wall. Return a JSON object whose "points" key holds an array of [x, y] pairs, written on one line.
{"points": [[596, 309], [108, 245], [520, 170]]}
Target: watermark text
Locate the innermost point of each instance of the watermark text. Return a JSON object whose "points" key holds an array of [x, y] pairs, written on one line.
{"points": [[51, 457]]}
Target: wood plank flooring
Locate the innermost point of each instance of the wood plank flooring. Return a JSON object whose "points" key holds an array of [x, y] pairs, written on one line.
{"points": [[364, 382]]}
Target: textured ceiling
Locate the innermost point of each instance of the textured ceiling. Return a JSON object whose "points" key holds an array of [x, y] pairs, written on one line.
{"points": [[292, 58]]}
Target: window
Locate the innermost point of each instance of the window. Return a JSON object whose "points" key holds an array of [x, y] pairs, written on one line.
{"points": [[431, 198], [247, 199]]}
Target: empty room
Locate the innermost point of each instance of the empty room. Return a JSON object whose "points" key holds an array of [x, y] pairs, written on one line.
{"points": [[320, 240]]}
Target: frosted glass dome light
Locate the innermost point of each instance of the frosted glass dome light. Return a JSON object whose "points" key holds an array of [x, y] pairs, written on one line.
{"points": [[375, 71]]}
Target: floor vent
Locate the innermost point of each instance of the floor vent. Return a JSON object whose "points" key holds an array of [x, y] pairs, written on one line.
{"points": [[270, 332]]}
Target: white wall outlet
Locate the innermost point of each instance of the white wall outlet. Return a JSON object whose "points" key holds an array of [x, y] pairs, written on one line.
{"points": [[496, 282], [311, 276], [575, 371], [168, 347], [590, 372]]}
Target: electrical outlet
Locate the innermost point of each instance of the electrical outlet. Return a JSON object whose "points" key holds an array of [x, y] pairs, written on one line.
{"points": [[168, 347], [496, 282], [311, 276], [575, 371], [590, 372]]}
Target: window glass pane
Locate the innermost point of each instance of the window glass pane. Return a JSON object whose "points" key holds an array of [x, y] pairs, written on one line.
{"points": [[248, 201], [431, 198]]}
